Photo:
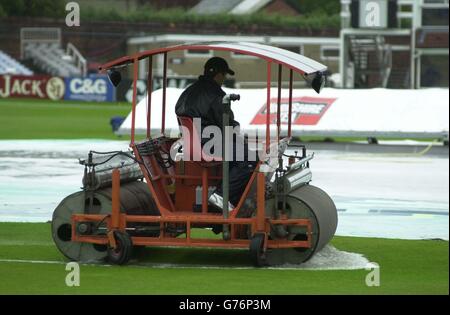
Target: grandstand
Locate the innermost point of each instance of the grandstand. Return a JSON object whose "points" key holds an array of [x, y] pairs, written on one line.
{"points": [[43, 47], [9, 65], [51, 59]]}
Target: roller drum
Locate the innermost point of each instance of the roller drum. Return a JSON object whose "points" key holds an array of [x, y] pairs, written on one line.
{"points": [[306, 202], [135, 199]]}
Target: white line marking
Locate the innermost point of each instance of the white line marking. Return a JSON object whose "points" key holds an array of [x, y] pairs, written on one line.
{"points": [[32, 261]]}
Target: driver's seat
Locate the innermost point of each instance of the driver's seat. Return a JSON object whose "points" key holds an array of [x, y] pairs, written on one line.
{"points": [[192, 140]]}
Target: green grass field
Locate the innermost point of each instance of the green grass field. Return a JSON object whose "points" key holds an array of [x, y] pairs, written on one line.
{"points": [[406, 267], [44, 119]]}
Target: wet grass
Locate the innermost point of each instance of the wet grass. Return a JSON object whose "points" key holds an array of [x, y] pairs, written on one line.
{"points": [[44, 119], [406, 267]]}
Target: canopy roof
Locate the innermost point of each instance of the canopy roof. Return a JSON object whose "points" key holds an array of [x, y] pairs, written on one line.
{"points": [[294, 61]]}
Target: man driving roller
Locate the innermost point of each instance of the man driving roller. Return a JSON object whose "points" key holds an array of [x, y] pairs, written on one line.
{"points": [[203, 99]]}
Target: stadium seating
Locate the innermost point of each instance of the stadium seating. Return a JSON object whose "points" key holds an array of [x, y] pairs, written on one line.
{"points": [[9, 65], [51, 59]]}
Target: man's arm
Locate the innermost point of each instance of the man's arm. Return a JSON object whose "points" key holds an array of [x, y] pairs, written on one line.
{"points": [[218, 110]]}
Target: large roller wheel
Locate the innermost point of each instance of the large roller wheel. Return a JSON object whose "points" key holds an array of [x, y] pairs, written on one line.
{"points": [[306, 202], [121, 253], [134, 197]]}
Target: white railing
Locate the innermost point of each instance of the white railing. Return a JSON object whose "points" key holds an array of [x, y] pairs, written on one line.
{"points": [[77, 58]]}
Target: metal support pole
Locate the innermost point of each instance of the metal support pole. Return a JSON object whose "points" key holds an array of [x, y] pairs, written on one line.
{"points": [[418, 62], [269, 66], [341, 58], [149, 94], [261, 202], [290, 104], [279, 103], [163, 122], [416, 24], [115, 212], [133, 112], [225, 165]]}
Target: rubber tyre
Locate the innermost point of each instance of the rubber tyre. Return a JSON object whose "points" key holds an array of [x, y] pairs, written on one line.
{"points": [[123, 251], [257, 254]]}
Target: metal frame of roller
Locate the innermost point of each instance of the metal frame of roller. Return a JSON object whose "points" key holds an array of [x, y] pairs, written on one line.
{"points": [[284, 221], [303, 201]]}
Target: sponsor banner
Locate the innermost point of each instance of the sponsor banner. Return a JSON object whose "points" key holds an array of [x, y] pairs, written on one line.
{"points": [[305, 110], [335, 112], [36, 86], [90, 89]]}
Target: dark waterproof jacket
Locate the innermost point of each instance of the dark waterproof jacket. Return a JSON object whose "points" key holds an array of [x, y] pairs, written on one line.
{"points": [[203, 99]]}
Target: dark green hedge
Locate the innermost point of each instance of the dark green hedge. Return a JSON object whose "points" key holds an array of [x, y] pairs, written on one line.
{"points": [[146, 14], [319, 18], [32, 8], [316, 7]]}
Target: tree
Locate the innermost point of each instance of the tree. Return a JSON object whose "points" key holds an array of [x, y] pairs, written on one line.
{"points": [[34, 8]]}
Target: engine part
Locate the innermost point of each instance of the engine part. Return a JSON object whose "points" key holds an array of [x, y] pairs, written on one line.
{"points": [[100, 175], [297, 178]]}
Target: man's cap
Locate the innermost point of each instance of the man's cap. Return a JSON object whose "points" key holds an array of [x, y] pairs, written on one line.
{"points": [[216, 65]]}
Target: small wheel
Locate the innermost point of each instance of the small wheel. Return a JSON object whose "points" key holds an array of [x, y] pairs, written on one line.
{"points": [[257, 254], [122, 253]]}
